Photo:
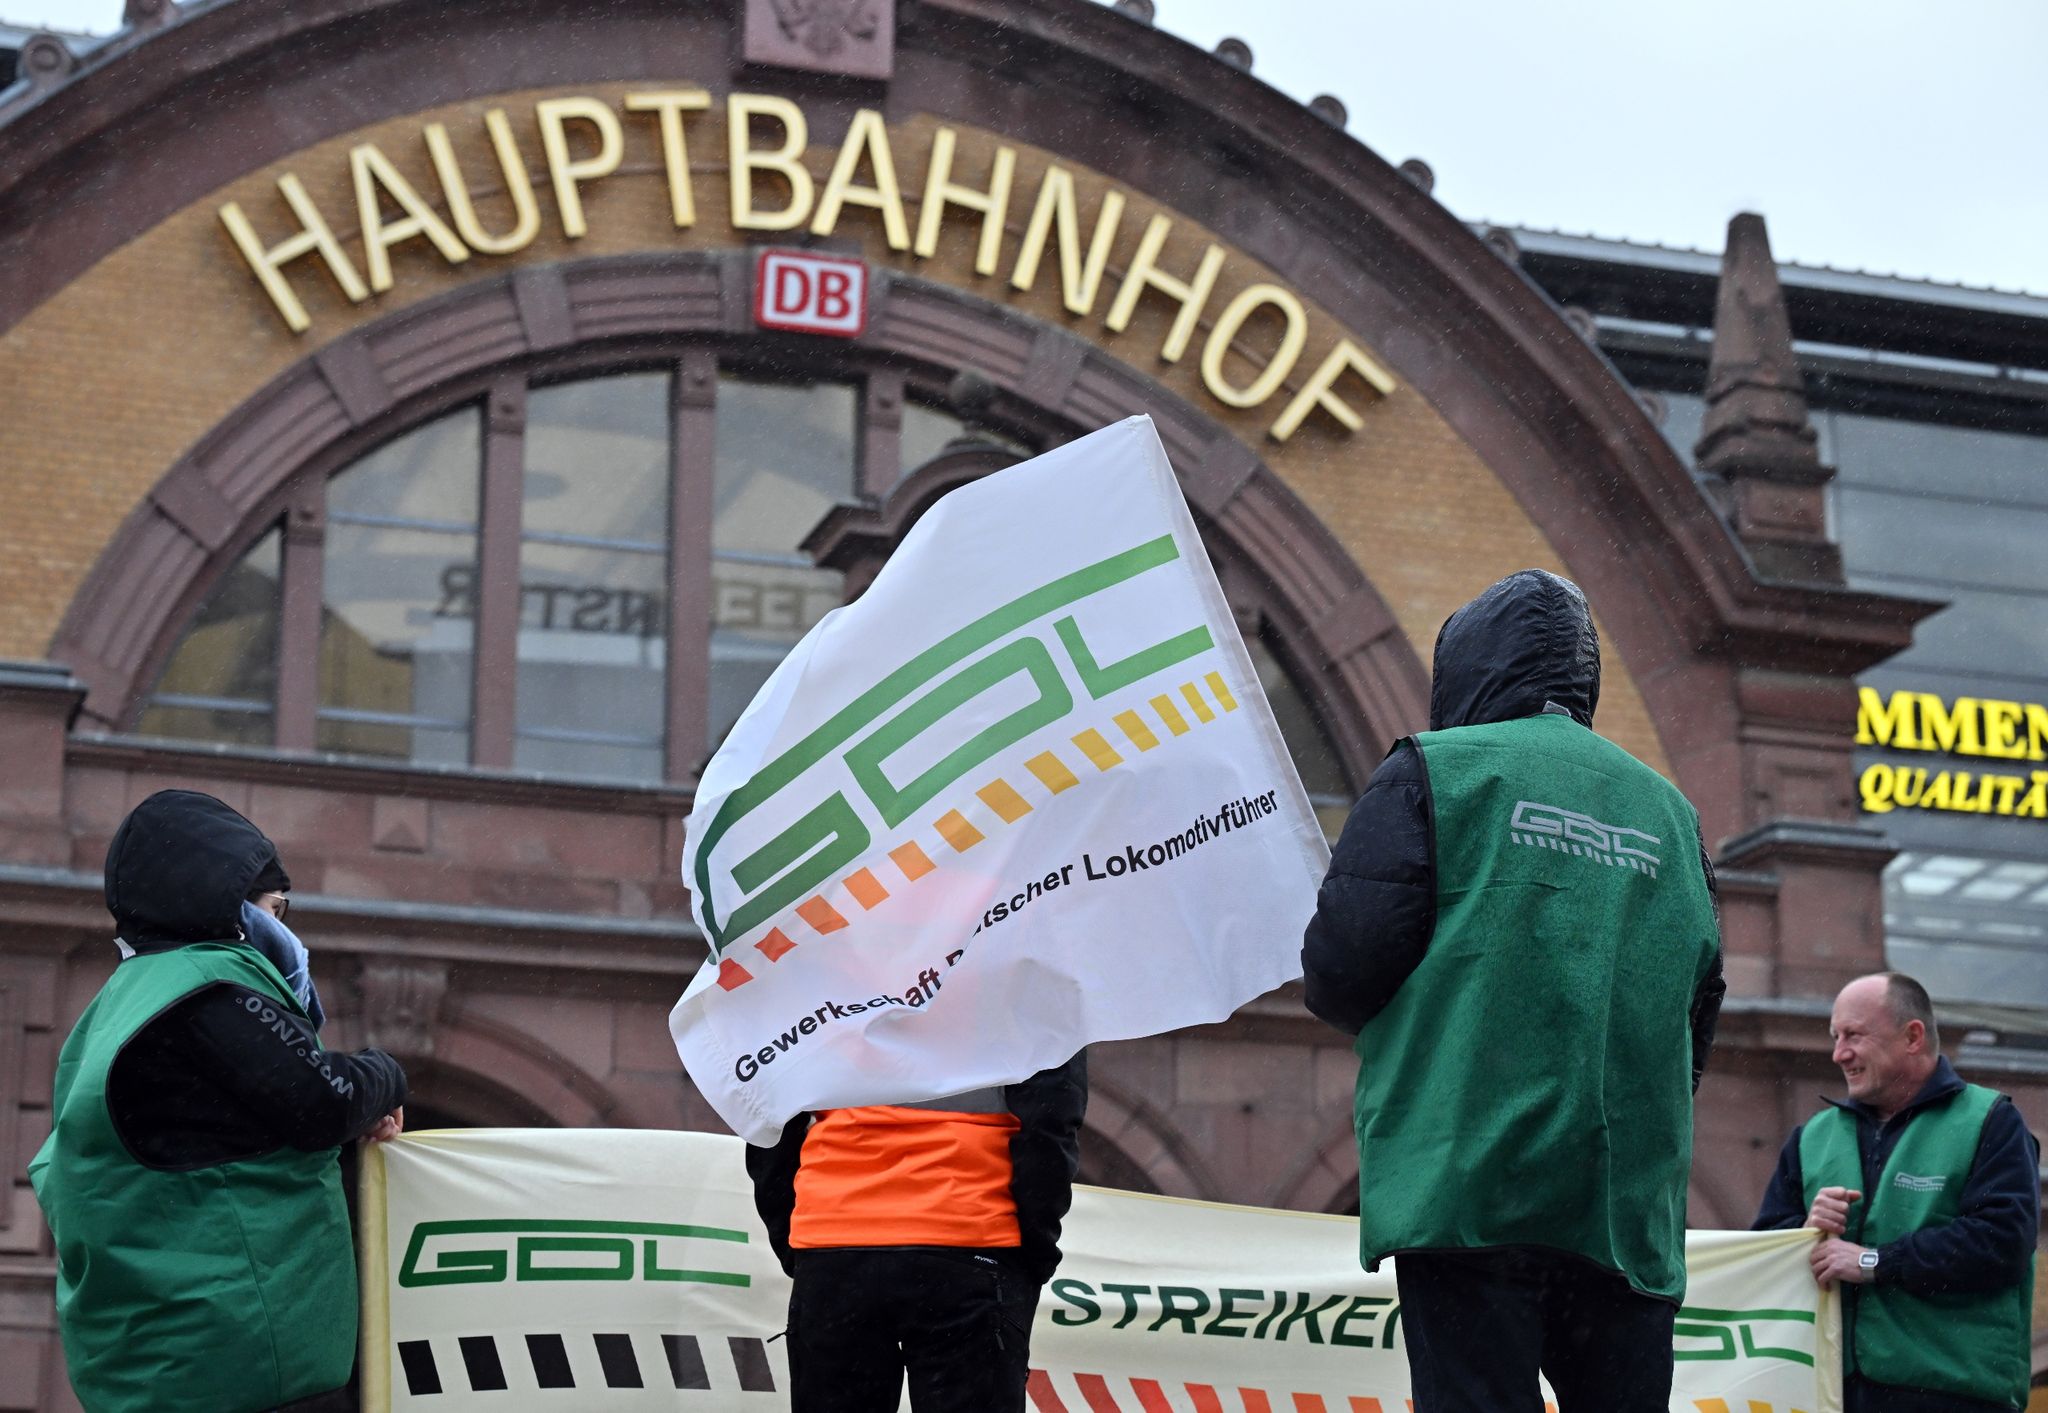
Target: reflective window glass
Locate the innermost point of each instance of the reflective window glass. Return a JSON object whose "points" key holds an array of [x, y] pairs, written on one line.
{"points": [[1315, 758], [785, 457], [593, 577], [1982, 634], [1683, 416], [427, 477], [926, 430], [1942, 542], [2000, 468], [399, 597], [221, 681]]}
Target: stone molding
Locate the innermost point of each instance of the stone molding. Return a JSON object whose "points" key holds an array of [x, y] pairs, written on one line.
{"points": [[1462, 327], [1342, 641]]}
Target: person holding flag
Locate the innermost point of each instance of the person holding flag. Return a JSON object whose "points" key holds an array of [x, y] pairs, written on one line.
{"points": [[1519, 926], [918, 1237], [1023, 795]]}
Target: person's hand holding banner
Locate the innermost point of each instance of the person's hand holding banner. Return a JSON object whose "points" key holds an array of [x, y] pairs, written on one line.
{"points": [[1023, 795]]}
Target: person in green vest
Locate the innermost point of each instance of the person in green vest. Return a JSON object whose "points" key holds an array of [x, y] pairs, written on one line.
{"points": [[1927, 1191], [191, 1181], [1519, 926]]}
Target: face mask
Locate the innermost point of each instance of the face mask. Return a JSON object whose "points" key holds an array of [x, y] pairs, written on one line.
{"points": [[282, 948]]}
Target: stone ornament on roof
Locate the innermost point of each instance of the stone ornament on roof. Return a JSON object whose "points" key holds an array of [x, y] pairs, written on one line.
{"points": [[46, 61], [148, 14], [1756, 436], [825, 26], [856, 38]]}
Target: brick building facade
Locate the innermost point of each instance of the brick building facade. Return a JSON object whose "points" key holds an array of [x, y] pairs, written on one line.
{"points": [[333, 335]]}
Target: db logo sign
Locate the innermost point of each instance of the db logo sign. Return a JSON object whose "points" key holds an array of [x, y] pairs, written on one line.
{"points": [[810, 294]]}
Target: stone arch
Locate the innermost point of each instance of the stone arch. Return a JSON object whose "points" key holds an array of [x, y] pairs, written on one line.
{"points": [[1326, 1178], [1143, 1140], [1340, 638], [495, 1075], [1452, 318]]}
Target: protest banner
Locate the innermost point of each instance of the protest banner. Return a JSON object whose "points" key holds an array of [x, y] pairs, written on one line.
{"points": [[614, 1269], [1024, 794]]}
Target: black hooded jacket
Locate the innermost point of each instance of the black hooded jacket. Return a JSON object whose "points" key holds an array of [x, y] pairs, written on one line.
{"points": [[209, 1081], [1524, 646]]}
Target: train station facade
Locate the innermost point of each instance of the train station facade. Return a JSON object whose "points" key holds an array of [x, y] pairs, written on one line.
{"points": [[426, 426]]}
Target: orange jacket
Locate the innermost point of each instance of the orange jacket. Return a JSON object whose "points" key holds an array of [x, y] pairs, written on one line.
{"points": [[890, 1175], [993, 1170]]}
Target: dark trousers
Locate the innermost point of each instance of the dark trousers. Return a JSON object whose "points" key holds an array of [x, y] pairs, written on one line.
{"points": [[957, 1323], [1480, 1324]]}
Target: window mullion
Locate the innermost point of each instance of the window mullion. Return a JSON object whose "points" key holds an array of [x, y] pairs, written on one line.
{"points": [[693, 471], [497, 605], [881, 434], [298, 634]]}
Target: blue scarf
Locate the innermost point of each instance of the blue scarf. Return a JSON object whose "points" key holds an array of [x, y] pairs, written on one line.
{"points": [[283, 950]]}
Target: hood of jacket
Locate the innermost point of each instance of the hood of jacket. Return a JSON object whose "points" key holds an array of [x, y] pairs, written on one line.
{"points": [[1524, 643], [179, 868]]}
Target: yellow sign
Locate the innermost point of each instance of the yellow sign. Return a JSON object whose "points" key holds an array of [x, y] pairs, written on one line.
{"points": [[1970, 726], [585, 139]]}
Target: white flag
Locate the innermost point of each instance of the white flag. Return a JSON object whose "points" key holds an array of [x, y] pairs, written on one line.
{"points": [[1023, 795]]}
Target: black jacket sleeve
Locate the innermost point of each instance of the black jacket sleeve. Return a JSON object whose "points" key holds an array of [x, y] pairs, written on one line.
{"points": [[1784, 1206], [227, 1074], [1045, 1153], [1990, 1242], [1376, 910], [271, 1060], [1713, 987], [773, 1170]]}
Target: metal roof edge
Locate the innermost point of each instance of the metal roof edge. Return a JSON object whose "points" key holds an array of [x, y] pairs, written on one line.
{"points": [[1820, 278]]}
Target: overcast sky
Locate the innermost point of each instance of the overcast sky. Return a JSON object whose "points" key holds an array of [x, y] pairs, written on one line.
{"points": [[1887, 135]]}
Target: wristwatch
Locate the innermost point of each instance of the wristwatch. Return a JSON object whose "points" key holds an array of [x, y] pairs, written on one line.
{"points": [[1867, 1259]]}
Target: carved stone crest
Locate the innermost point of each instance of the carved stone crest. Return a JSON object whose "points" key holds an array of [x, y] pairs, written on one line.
{"points": [[852, 37], [825, 26], [401, 1004]]}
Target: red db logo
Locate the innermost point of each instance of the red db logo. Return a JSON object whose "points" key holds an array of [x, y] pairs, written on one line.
{"points": [[810, 294]]}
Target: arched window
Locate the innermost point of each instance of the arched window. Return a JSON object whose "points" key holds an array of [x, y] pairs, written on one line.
{"points": [[1315, 756], [399, 572], [420, 568], [499, 584], [221, 681]]}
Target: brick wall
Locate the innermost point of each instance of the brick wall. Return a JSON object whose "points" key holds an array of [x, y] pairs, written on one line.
{"points": [[106, 384]]}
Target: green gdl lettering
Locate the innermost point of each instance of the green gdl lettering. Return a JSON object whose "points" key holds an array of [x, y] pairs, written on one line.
{"points": [[493, 1251], [912, 703]]}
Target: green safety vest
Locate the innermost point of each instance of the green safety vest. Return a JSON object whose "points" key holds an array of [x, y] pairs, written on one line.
{"points": [[216, 1290], [1531, 1081], [1976, 1345]]}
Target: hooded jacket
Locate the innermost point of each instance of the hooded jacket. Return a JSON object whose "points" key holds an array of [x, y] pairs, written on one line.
{"points": [[204, 1257], [209, 1081], [1420, 854], [1523, 647]]}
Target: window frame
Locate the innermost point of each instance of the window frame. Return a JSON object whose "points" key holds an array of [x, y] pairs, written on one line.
{"points": [[1337, 636], [501, 395]]}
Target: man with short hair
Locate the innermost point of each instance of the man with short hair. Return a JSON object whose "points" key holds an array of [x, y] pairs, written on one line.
{"points": [[1519, 926], [1928, 1190]]}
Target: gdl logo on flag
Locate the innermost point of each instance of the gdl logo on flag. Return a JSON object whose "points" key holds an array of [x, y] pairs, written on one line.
{"points": [[935, 707]]}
